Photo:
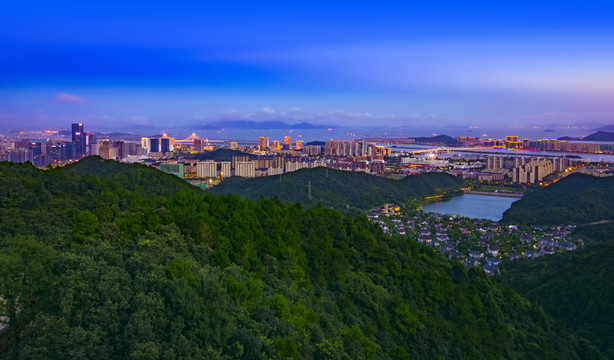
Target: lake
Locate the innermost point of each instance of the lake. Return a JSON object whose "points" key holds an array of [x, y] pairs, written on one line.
{"points": [[473, 206]]}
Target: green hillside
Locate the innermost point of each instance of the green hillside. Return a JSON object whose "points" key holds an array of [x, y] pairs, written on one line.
{"points": [[576, 287], [337, 189], [126, 262], [576, 199]]}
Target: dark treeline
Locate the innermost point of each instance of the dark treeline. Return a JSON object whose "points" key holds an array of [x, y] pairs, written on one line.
{"points": [[338, 189], [103, 260]]}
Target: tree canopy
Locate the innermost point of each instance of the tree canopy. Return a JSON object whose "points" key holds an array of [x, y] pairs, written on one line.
{"points": [[103, 260]]}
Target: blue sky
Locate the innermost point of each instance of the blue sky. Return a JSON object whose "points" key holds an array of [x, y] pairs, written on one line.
{"points": [[116, 65]]}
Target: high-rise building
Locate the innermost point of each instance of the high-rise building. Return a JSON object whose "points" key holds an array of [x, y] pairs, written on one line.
{"points": [[199, 145], [154, 145], [287, 143], [245, 169], [495, 163], [78, 141], [206, 169], [91, 141], [263, 143], [225, 169], [145, 143], [165, 145], [299, 144]]}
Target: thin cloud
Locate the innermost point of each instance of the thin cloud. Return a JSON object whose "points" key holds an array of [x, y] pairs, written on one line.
{"points": [[69, 98]]}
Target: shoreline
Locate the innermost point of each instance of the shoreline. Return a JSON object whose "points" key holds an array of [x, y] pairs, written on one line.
{"points": [[487, 193]]}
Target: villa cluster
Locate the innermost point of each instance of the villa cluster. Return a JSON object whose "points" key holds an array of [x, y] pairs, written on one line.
{"points": [[475, 242]]}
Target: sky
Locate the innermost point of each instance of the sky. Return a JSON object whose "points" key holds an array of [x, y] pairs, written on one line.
{"points": [[130, 65]]}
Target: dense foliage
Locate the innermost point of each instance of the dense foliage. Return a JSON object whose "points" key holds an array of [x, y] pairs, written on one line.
{"points": [[338, 189], [576, 199], [576, 287], [109, 261]]}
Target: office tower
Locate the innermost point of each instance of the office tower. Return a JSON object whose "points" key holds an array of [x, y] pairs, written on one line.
{"points": [[165, 145], [154, 145], [287, 143], [299, 144], [78, 141]]}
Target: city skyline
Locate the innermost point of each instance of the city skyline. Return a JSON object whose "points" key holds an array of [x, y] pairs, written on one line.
{"points": [[116, 65]]}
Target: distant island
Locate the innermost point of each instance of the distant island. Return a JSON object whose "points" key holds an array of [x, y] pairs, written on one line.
{"points": [[598, 136]]}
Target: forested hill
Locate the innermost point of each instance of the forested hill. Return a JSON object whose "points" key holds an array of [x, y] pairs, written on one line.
{"points": [[576, 199], [576, 287], [130, 263], [337, 189]]}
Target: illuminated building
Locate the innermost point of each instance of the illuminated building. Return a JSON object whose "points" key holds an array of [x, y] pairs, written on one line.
{"points": [[299, 144], [199, 145], [78, 141], [263, 143]]}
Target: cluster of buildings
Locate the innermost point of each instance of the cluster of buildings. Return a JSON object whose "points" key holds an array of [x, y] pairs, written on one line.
{"points": [[354, 148], [527, 170], [475, 242], [513, 142], [247, 166], [266, 165], [265, 146], [45, 149]]}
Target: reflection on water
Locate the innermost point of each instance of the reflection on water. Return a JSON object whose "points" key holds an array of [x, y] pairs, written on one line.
{"points": [[473, 206]]}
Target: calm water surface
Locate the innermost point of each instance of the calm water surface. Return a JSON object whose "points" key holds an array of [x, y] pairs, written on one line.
{"points": [[473, 206]]}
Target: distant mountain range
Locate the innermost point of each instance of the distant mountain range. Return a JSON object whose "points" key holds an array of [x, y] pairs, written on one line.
{"points": [[606, 128], [247, 124], [598, 136]]}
